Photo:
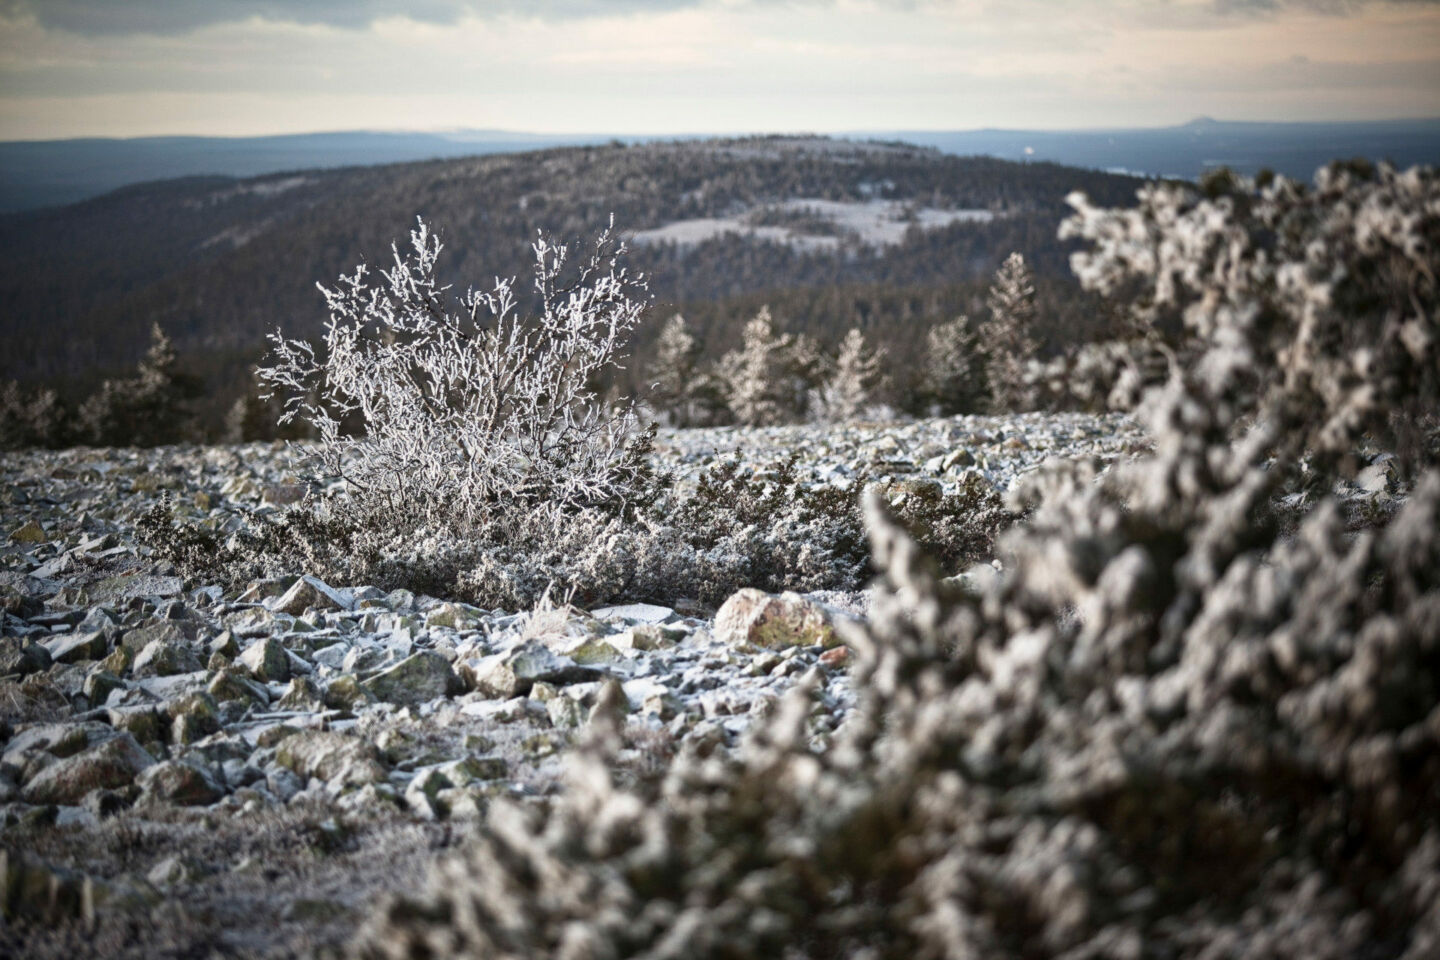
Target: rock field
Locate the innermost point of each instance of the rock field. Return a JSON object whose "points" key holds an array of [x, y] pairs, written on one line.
{"points": [[186, 770]]}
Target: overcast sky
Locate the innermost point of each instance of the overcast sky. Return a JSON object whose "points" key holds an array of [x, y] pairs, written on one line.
{"points": [[240, 67]]}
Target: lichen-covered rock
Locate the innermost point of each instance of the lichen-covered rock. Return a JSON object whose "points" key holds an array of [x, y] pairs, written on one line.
{"points": [[417, 679], [513, 674], [78, 647], [302, 695], [346, 693], [310, 593], [162, 658], [111, 764], [753, 618], [230, 685], [180, 782], [267, 660], [22, 657], [334, 757]]}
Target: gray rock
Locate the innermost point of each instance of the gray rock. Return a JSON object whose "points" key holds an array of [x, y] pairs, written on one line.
{"points": [[22, 657], [180, 782], [267, 659], [111, 764], [78, 647], [334, 757], [161, 658], [310, 593], [513, 674], [751, 618], [415, 680]]}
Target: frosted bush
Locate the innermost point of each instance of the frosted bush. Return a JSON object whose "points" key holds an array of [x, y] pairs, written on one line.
{"points": [[471, 404]]}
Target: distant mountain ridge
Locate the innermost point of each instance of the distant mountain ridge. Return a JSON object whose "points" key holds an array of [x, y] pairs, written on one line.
{"points": [[1296, 150], [45, 173]]}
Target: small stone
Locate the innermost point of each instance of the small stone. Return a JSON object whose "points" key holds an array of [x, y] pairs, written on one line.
{"points": [[141, 722], [303, 695], [513, 674], [637, 613], [346, 693], [169, 872], [22, 657], [309, 593], [141, 637], [99, 684], [225, 645], [78, 647], [565, 712], [230, 685]]}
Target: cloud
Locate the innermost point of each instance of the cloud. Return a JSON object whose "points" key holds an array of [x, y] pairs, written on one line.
{"points": [[169, 17], [1334, 7]]}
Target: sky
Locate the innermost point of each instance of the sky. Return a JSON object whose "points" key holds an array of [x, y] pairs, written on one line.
{"points": [[72, 68]]}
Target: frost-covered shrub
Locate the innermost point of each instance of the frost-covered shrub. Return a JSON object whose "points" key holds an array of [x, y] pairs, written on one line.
{"points": [[471, 404], [729, 529], [1313, 307], [1169, 729]]}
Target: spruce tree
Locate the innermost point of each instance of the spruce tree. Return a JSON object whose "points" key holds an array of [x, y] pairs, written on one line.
{"points": [[857, 379], [954, 375], [1009, 336]]}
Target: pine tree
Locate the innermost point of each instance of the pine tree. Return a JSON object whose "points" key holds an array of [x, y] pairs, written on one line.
{"points": [[1009, 336], [954, 376], [30, 420], [147, 410], [857, 378]]}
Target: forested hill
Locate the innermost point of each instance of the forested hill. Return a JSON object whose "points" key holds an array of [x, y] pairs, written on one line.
{"points": [[835, 232]]}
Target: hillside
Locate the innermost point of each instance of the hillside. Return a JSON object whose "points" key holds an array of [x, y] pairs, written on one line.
{"points": [[221, 262]]}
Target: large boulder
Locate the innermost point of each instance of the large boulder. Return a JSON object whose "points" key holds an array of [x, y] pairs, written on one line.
{"points": [[108, 765], [754, 618]]}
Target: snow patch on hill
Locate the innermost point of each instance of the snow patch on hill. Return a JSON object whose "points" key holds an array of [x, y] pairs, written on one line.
{"points": [[811, 224]]}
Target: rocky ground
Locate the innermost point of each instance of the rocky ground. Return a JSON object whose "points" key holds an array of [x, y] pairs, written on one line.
{"points": [[188, 771]]}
